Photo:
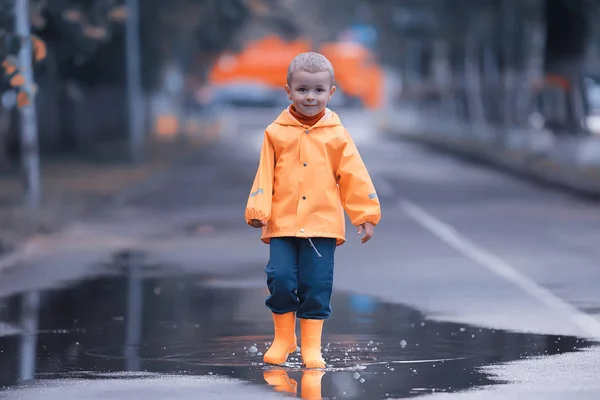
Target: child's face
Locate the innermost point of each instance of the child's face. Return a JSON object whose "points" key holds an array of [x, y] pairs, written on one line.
{"points": [[310, 92]]}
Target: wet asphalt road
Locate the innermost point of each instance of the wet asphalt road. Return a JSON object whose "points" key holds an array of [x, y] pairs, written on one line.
{"points": [[476, 286]]}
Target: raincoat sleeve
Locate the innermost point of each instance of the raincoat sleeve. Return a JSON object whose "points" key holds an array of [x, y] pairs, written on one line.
{"points": [[259, 200], [357, 191]]}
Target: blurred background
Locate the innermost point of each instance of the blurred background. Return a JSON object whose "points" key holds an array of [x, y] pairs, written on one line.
{"points": [[502, 63], [107, 87], [129, 136]]}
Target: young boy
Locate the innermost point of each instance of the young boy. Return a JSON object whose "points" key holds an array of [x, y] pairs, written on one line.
{"points": [[309, 169]]}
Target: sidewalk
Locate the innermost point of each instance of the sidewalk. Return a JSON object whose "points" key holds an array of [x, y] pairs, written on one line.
{"points": [[568, 162], [185, 215], [73, 188]]}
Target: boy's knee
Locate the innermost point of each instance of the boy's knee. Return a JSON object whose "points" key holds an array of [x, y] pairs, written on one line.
{"points": [[281, 276]]}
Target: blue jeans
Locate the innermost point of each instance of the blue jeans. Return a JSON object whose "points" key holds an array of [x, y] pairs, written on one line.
{"points": [[298, 279]]}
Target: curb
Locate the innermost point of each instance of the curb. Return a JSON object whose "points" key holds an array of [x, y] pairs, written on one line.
{"points": [[548, 164]]}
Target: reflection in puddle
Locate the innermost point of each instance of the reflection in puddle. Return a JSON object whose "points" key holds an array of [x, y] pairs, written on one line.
{"points": [[124, 327]]}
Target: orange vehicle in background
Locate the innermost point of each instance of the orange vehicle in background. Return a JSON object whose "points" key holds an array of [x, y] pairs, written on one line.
{"points": [[266, 61], [356, 71]]}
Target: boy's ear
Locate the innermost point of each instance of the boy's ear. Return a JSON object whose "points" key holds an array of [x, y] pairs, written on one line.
{"points": [[332, 91], [288, 90]]}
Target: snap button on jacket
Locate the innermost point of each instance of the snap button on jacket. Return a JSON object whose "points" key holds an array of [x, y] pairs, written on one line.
{"points": [[305, 181]]}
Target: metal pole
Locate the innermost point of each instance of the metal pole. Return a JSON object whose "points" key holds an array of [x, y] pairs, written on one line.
{"points": [[135, 308], [29, 325], [29, 130], [134, 83]]}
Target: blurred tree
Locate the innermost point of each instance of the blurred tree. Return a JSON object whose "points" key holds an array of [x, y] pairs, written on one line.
{"points": [[66, 31], [82, 81], [14, 90], [568, 36], [490, 61], [188, 33]]}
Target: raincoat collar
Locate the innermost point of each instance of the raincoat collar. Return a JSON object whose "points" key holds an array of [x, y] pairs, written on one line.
{"points": [[330, 119]]}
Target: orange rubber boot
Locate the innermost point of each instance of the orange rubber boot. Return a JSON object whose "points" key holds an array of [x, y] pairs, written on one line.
{"points": [[280, 381], [284, 342], [311, 384], [311, 331]]}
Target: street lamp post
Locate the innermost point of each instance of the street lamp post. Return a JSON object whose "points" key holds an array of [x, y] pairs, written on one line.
{"points": [[29, 130], [134, 86]]}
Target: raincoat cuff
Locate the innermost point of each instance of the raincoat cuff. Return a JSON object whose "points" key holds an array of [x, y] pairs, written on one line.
{"points": [[373, 219], [255, 214]]}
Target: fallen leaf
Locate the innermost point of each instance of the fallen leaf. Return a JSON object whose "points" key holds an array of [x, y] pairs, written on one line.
{"points": [[17, 80], [72, 15], [95, 32], [23, 100], [39, 48], [119, 13], [9, 67]]}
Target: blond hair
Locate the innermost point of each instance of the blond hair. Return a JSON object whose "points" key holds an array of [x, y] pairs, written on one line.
{"points": [[310, 62]]}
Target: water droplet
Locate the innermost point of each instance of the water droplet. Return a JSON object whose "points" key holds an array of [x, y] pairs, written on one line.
{"points": [[356, 375], [252, 349], [403, 344], [463, 329], [362, 380]]}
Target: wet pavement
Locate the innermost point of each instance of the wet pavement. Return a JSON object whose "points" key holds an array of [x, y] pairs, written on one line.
{"points": [[115, 326], [475, 286]]}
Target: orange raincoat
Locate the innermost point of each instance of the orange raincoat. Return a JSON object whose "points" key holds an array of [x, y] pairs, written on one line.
{"points": [[305, 176]]}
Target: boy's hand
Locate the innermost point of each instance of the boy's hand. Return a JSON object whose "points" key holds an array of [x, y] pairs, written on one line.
{"points": [[257, 223], [368, 229]]}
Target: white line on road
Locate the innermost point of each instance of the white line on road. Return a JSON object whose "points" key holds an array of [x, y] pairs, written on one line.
{"points": [[495, 264]]}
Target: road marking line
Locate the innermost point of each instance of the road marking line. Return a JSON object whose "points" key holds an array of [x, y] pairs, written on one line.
{"points": [[495, 264]]}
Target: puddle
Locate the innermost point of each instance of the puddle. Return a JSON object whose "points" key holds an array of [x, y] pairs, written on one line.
{"points": [[181, 326]]}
